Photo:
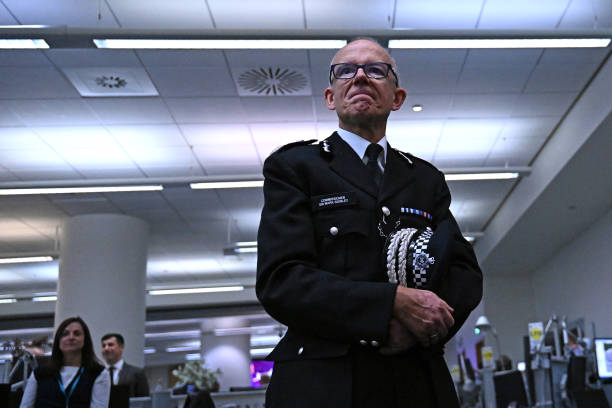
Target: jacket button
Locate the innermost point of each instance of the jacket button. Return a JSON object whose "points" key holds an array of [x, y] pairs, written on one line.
{"points": [[386, 210], [374, 343], [363, 342], [333, 231], [300, 351]]}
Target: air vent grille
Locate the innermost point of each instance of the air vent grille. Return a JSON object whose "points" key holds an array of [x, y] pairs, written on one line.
{"points": [[272, 81]]}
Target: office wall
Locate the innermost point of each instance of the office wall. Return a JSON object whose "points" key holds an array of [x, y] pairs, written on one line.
{"points": [[509, 306], [577, 281]]}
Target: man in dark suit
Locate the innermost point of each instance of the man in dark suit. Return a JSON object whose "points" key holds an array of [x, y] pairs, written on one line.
{"points": [[354, 338], [121, 372]]}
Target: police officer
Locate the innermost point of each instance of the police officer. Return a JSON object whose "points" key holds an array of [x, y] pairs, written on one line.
{"points": [[355, 339]]}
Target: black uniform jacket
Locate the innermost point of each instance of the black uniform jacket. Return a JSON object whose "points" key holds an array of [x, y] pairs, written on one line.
{"points": [[136, 379], [321, 271]]}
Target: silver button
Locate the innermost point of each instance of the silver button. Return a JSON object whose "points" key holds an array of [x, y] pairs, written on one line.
{"points": [[374, 343], [363, 342], [333, 231], [300, 351], [386, 211]]}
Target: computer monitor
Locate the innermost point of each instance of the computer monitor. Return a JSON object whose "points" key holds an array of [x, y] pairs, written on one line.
{"points": [[603, 354]]}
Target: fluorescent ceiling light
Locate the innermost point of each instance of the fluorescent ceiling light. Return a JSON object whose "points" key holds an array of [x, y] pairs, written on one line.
{"points": [[481, 176], [182, 334], [232, 331], [251, 250], [8, 300], [12, 27], [501, 43], [246, 243], [44, 299], [196, 290], [22, 43], [192, 356], [149, 350], [261, 352], [219, 44], [76, 190], [26, 259], [182, 348], [226, 184]]}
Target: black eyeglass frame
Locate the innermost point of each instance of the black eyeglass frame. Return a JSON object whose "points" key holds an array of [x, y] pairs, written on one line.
{"points": [[363, 67]]}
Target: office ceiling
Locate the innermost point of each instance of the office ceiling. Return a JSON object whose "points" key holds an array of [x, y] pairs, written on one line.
{"points": [[481, 108]]}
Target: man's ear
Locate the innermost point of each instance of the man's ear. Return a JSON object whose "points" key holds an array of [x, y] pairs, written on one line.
{"points": [[398, 98], [329, 99]]}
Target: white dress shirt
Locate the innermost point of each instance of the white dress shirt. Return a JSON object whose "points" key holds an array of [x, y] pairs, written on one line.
{"points": [[359, 145], [118, 366], [100, 393]]}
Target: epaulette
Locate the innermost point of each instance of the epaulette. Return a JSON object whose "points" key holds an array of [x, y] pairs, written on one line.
{"points": [[293, 144], [407, 156], [414, 158]]}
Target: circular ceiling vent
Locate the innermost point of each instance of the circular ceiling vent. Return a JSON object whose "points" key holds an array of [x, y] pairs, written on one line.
{"points": [[272, 81], [111, 81]]}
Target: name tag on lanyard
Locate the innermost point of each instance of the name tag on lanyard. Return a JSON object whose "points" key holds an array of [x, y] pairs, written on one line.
{"points": [[68, 392]]}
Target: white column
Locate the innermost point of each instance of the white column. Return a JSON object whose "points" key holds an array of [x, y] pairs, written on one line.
{"points": [[102, 277], [230, 353]]}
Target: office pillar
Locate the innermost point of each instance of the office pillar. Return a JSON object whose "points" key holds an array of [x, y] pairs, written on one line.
{"points": [[102, 277]]}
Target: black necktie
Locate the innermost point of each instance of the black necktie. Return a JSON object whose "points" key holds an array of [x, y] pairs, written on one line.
{"points": [[111, 370], [372, 153]]}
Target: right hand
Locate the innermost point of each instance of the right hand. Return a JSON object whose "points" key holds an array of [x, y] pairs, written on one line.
{"points": [[423, 313], [400, 339]]}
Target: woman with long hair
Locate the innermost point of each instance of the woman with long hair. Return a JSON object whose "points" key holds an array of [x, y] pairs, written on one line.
{"points": [[73, 377]]}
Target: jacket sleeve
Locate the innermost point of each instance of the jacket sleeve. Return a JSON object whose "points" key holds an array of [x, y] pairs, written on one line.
{"points": [[141, 382], [292, 287], [461, 285]]}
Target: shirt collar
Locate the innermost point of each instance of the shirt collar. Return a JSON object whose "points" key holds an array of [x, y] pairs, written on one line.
{"points": [[359, 144], [118, 365]]}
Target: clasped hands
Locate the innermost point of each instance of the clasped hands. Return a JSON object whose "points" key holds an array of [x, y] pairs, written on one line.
{"points": [[419, 316]]}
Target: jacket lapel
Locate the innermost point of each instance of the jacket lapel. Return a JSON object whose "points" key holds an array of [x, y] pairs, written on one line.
{"points": [[348, 165], [398, 175]]}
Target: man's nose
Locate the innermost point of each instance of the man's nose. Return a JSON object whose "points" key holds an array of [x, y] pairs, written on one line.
{"points": [[360, 74]]}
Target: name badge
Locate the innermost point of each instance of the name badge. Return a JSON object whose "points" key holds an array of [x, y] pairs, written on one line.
{"points": [[335, 200]]}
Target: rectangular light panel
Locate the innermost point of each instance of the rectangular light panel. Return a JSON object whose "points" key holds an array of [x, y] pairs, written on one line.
{"points": [[501, 43], [73, 190], [169, 44], [22, 44]]}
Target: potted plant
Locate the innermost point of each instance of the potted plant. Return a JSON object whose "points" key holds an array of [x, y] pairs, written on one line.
{"points": [[196, 375]]}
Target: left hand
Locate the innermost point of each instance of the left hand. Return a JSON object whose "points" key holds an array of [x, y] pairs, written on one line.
{"points": [[400, 339]]}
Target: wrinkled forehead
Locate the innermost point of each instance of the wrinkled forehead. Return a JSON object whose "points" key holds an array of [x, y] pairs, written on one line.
{"points": [[362, 51]]}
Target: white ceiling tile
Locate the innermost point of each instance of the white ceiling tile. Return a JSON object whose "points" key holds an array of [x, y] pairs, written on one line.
{"points": [[540, 127], [270, 136], [8, 116], [192, 14], [206, 110], [47, 174], [514, 151], [134, 136], [200, 204], [437, 14], [26, 82], [182, 58], [521, 14], [23, 58], [30, 159], [184, 170], [565, 69], [271, 14], [15, 229], [417, 137], [53, 112], [579, 15], [71, 13], [131, 110], [233, 150], [278, 109], [84, 58], [6, 176], [466, 143], [604, 13], [429, 71], [348, 14], [434, 106], [19, 138], [84, 204], [266, 58], [490, 71], [320, 61], [482, 105], [543, 104], [192, 81], [207, 134], [146, 156], [103, 158], [73, 137], [479, 200], [134, 201]]}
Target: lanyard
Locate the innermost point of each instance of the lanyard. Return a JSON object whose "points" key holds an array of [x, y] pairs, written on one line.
{"points": [[71, 386]]}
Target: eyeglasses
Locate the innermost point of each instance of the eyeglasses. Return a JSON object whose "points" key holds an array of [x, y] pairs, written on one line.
{"points": [[373, 70]]}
